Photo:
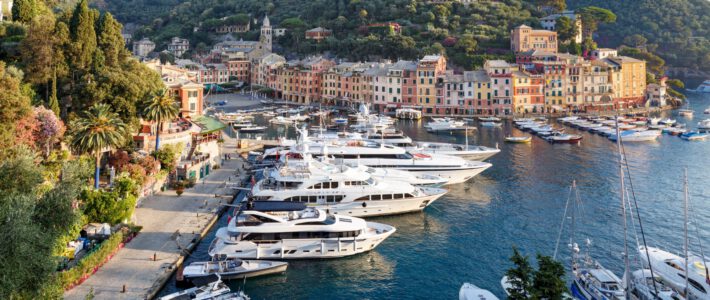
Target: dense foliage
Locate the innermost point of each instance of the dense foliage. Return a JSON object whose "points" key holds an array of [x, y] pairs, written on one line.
{"points": [[528, 283], [677, 30]]}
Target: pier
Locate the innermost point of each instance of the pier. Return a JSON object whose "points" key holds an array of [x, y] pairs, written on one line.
{"points": [[172, 227]]}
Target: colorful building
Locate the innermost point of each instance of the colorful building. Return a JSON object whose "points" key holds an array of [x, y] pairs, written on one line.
{"points": [[430, 72], [501, 74], [477, 93], [318, 34], [524, 38]]}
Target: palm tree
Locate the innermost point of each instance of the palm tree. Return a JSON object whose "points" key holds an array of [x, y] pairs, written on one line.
{"points": [[99, 128], [160, 108]]}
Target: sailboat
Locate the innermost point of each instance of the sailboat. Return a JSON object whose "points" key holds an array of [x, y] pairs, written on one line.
{"points": [[688, 273]]}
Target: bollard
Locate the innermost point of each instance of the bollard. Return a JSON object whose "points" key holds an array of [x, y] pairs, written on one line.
{"points": [[155, 256], [124, 289]]}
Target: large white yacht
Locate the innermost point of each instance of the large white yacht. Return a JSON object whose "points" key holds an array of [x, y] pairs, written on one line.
{"points": [[399, 139], [342, 190], [702, 88], [376, 155], [310, 233], [672, 268]]}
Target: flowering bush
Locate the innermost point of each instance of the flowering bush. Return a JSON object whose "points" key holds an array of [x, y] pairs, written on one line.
{"points": [[119, 159], [49, 128], [136, 172], [149, 164]]}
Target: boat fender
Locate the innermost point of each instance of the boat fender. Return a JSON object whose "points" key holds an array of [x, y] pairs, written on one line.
{"points": [[364, 204]]}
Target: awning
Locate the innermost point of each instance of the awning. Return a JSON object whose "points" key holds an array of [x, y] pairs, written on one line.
{"points": [[208, 125]]}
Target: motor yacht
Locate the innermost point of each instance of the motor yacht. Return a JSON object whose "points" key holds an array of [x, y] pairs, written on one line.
{"points": [[596, 282], [231, 269], [469, 152], [644, 286], [469, 291], [252, 128], [447, 126], [637, 136], [702, 88], [342, 190], [704, 125], [671, 269], [310, 233], [216, 290]]}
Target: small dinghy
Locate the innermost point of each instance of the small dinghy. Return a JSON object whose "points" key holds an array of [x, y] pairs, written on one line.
{"points": [[518, 139], [198, 272]]}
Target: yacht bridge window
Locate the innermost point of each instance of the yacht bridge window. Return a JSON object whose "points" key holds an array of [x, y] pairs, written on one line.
{"points": [[300, 235]]}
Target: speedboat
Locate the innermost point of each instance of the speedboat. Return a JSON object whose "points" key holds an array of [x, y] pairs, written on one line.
{"points": [[704, 125], [693, 136], [685, 112], [707, 111], [241, 124], [636, 136], [470, 291], [671, 269], [490, 124], [310, 233], [674, 130], [565, 138], [216, 290], [644, 286], [232, 269], [342, 190], [489, 119], [667, 121], [446, 125], [252, 128], [470, 152], [518, 139]]}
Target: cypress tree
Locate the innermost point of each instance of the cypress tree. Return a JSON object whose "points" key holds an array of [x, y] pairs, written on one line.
{"points": [[53, 101], [83, 35], [519, 277], [110, 40]]}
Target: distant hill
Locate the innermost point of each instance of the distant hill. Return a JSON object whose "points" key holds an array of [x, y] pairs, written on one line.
{"points": [[676, 29]]}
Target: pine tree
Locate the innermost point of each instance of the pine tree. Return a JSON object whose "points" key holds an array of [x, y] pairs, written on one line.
{"points": [[110, 40], [83, 36], [547, 280], [519, 276], [24, 10]]}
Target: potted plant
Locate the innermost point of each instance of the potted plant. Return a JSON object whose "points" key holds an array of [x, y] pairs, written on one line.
{"points": [[179, 187]]}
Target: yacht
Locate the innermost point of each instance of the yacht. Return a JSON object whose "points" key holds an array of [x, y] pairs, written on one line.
{"points": [[310, 233], [252, 128], [216, 290], [672, 268], [445, 126], [704, 125], [241, 124], [342, 190], [702, 88], [489, 119], [693, 136], [469, 291], [376, 155], [564, 138], [644, 286], [596, 282], [470, 152], [231, 269]]}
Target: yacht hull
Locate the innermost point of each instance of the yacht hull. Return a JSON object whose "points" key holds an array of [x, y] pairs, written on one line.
{"points": [[453, 176], [374, 208], [303, 248]]}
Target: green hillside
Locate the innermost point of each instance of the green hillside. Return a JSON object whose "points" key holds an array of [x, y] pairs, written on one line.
{"points": [[676, 29]]}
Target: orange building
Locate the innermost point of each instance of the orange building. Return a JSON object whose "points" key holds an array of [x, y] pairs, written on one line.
{"points": [[430, 72]]}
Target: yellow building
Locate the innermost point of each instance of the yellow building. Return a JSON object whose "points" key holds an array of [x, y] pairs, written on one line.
{"points": [[524, 38], [429, 70], [628, 80]]}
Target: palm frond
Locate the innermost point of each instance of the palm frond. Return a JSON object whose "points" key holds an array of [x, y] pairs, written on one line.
{"points": [[161, 108], [99, 128]]}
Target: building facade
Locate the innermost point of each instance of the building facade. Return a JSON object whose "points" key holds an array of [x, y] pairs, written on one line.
{"points": [[143, 47], [524, 38], [550, 23], [177, 46]]}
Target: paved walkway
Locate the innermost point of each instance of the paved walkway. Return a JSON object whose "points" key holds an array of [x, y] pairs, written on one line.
{"points": [[170, 224]]}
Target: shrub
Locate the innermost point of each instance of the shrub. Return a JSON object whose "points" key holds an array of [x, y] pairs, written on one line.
{"points": [[168, 155], [149, 164], [93, 260], [119, 159], [136, 172], [111, 206]]}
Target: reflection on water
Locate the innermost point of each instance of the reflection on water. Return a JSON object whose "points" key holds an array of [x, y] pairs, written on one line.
{"points": [[467, 234]]}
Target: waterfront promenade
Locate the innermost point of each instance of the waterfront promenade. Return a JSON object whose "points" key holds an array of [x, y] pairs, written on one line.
{"points": [[171, 224]]}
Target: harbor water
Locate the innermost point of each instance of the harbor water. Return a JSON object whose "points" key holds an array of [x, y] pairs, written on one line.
{"points": [[467, 235]]}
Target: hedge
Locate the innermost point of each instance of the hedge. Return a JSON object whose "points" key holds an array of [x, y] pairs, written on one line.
{"points": [[90, 263]]}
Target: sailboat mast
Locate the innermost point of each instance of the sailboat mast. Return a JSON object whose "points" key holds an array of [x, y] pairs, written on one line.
{"points": [[623, 209], [685, 228]]}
